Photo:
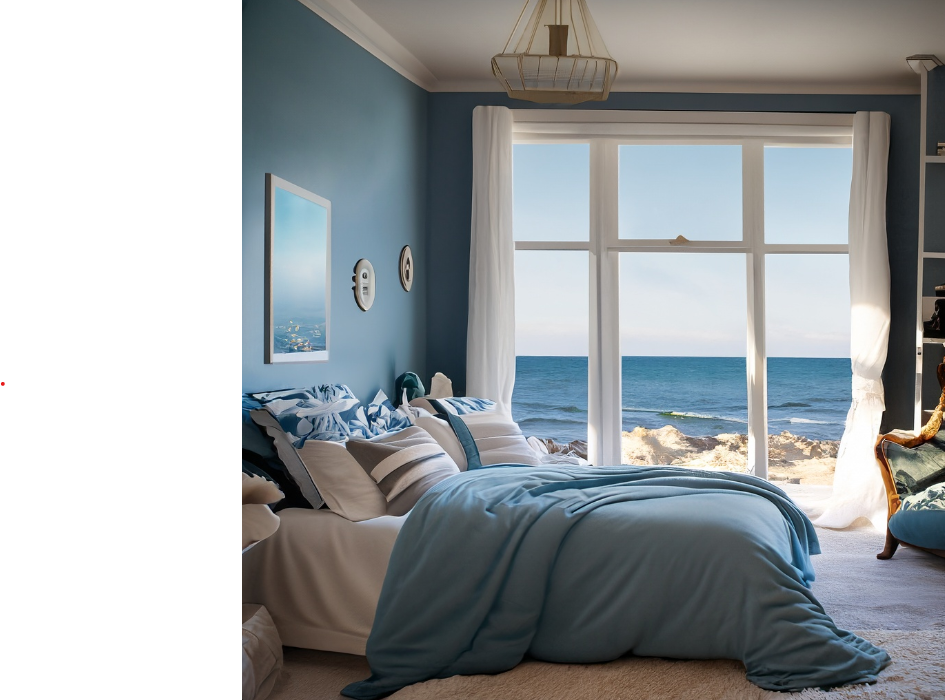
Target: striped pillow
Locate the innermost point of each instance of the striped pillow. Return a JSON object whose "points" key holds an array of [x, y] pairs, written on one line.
{"points": [[404, 465]]}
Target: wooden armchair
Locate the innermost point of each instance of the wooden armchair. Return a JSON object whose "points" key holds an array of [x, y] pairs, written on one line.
{"points": [[918, 462]]}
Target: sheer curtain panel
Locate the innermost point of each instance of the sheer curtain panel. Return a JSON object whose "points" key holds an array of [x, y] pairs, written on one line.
{"points": [[490, 333], [857, 484]]}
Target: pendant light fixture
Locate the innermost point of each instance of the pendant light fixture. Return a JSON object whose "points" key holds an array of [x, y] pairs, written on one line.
{"points": [[556, 56]]}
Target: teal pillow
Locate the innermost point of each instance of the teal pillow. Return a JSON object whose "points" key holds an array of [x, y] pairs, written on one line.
{"points": [[410, 383]]}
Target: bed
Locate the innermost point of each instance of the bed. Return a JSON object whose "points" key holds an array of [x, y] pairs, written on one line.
{"points": [[502, 560]]}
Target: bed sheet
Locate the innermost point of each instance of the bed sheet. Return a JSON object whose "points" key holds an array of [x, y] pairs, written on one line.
{"points": [[320, 577]]}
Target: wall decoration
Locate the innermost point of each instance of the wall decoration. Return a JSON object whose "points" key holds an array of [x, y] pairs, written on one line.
{"points": [[298, 273], [363, 284], [406, 268]]}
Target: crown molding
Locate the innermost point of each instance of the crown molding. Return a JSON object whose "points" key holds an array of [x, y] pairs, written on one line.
{"points": [[355, 24], [715, 87], [923, 62], [351, 21]]}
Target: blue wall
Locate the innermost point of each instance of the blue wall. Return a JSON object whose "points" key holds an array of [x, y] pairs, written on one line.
{"points": [[327, 116], [449, 211], [396, 164]]}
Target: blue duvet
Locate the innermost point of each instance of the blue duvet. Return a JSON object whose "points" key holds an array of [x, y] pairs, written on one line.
{"points": [[578, 565]]}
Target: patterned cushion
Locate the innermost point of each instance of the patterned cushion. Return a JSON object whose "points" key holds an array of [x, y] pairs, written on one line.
{"points": [[933, 498], [382, 417], [330, 412], [916, 468]]}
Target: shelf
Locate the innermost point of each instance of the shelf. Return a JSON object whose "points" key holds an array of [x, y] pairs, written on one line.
{"points": [[929, 270]]}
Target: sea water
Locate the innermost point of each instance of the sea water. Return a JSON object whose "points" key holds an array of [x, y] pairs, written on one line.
{"points": [[698, 395]]}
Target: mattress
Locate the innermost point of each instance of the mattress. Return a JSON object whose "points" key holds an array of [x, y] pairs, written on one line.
{"points": [[320, 577]]}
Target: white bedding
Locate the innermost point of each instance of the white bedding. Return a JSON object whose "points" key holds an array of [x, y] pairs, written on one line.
{"points": [[320, 577]]}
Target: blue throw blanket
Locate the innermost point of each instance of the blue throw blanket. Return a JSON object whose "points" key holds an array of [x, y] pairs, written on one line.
{"points": [[578, 565]]}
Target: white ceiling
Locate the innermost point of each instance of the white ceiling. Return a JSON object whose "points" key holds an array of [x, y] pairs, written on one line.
{"points": [[772, 46]]}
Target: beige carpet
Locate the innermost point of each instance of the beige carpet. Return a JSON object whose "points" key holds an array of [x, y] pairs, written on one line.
{"points": [[899, 605], [917, 673]]}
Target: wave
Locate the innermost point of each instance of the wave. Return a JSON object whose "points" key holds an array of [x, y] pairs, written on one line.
{"points": [[551, 421], [545, 407], [792, 404], [682, 414]]}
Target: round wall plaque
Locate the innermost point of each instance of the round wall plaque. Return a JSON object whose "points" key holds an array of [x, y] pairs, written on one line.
{"points": [[406, 268], [363, 284]]}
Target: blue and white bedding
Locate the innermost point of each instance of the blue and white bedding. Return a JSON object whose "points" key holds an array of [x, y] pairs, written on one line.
{"points": [[580, 565]]}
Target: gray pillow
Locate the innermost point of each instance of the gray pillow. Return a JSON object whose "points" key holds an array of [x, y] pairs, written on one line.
{"points": [[404, 465]]}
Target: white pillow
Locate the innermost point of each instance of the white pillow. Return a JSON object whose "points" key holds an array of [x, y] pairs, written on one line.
{"points": [[443, 433], [347, 489], [499, 439]]}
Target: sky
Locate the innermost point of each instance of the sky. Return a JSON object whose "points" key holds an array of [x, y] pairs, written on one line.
{"points": [[686, 304], [301, 229]]}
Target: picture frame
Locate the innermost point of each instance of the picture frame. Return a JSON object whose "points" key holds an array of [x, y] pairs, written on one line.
{"points": [[298, 274]]}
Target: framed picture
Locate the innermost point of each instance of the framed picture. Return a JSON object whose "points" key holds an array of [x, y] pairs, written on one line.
{"points": [[298, 273]]}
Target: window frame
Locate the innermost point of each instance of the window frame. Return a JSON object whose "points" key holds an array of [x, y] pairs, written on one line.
{"points": [[605, 131]]}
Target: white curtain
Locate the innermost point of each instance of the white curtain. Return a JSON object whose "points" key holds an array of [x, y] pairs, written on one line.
{"points": [[490, 333], [858, 486]]}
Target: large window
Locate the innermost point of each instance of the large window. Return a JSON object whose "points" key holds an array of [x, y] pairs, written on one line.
{"points": [[680, 246]]}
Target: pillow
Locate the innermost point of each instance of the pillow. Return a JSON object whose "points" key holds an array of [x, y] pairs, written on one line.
{"points": [[408, 386], [330, 412], [347, 489], [457, 405], [441, 431], [260, 458], [404, 465], [289, 456], [328, 469], [915, 469], [496, 438], [259, 522], [254, 439], [382, 417]]}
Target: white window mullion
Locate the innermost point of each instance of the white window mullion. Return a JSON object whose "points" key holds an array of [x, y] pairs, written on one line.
{"points": [[753, 222], [603, 377]]}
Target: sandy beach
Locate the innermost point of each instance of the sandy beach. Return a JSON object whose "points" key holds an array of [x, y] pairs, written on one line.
{"points": [[792, 458]]}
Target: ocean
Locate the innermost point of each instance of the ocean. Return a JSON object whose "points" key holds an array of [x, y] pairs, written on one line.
{"points": [[698, 395]]}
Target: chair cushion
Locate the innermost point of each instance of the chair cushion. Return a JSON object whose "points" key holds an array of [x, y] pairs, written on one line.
{"points": [[922, 528], [915, 469]]}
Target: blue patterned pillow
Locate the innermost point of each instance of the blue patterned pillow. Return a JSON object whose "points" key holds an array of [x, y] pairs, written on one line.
{"points": [[457, 405], [469, 404], [382, 417], [330, 412]]}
